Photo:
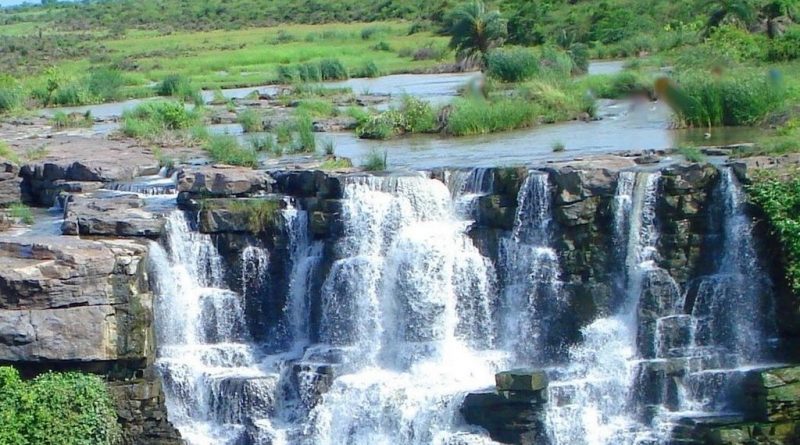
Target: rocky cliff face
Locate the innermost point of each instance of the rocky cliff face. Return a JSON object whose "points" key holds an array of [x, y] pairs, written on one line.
{"points": [[72, 304]]}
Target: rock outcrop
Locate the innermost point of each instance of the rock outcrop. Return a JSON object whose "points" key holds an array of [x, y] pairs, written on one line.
{"points": [[72, 304]]}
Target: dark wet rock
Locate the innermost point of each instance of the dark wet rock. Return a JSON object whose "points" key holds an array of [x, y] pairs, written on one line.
{"points": [[509, 417], [253, 215], [114, 216]]}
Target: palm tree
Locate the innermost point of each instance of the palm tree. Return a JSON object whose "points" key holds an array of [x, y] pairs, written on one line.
{"points": [[475, 30]]}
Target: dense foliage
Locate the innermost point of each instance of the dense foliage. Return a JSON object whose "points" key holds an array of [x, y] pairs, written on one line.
{"points": [[780, 200], [56, 409]]}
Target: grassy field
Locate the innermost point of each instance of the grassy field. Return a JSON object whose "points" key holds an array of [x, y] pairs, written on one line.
{"points": [[245, 57]]}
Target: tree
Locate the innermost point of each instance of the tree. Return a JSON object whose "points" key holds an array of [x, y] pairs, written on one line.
{"points": [[730, 11], [776, 12], [475, 30]]}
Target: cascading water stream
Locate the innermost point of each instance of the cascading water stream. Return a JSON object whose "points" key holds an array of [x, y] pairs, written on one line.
{"points": [[393, 303], [588, 402], [394, 320]]}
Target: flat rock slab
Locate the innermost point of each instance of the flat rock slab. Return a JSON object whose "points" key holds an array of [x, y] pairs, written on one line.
{"points": [[522, 380], [120, 215], [222, 181]]}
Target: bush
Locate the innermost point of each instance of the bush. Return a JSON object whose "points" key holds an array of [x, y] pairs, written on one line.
{"points": [[737, 44], [780, 199], [332, 69], [512, 65], [10, 99], [7, 154], [105, 84], [250, 121], [71, 94], [305, 141], [179, 86], [414, 116], [72, 120], [418, 115], [376, 161], [478, 116], [225, 149], [742, 99], [692, 154], [154, 118], [370, 69], [783, 48], [56, 408]]}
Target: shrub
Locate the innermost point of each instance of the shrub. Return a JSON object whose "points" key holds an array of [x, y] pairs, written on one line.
{"points": [[370, 69], [105, 84], [382, 46], [783, 48], [179, 86], [579, 53], [332, 69], [21, 212], [316, 107], [56, 408], [384, 125], [743, 99], [10, 99], [478, 116], [250, 121], [376, 161], [512, 65], [7, 154], [71, 120], [418, 115], [153, 118], [780, 199], [71, 94], [225, 149], [305, 141], [692, 154]]}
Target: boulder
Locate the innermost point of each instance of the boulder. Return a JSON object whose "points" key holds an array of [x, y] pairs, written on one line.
{"points": [[115, 215], [509, 418], [222, 181], [10, 183]]}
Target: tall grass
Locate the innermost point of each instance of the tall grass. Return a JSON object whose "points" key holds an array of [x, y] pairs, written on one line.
{"points": [[226, 149], [742, 99], [152, 119], [512, 65], [325, 69], [179, 86], [478, 116], [105, 84], [375, 161], [250, 120], [10, 99]]}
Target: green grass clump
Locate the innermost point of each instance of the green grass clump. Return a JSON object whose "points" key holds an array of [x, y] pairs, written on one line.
{"points": [[369, 69], [225, 149], [21, 212], [512, 64], [558, 147], [413, 116], [334, 163], [700, 100], [56, 408], [305, 142], [779, 198], [477, 116], [179, 86], [617, 86], [155, 118], [263, 143], [71, 94], [7, 154], [250, 120], [692, 154], [376, 161], [316, 107], [10, 99], [72, 120], [325, 69], [106, 84], [332, 69]]}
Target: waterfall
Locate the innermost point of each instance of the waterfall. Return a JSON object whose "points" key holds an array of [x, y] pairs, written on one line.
{"points": [[392, 303], [532, 289], [400, 314], [589, 402]]}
